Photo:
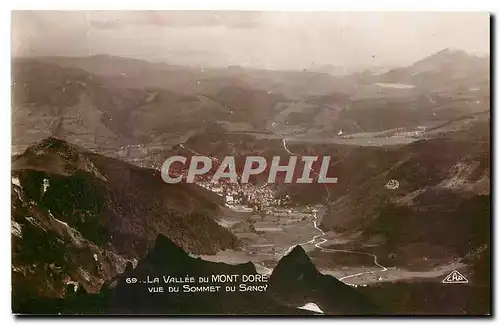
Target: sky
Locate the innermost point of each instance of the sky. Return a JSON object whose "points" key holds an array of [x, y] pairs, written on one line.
{"points": [[270, 40]]}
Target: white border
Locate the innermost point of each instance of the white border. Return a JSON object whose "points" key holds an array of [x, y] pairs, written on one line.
{"points": [[309, 5]]}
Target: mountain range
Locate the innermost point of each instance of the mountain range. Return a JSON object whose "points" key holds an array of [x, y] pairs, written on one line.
{"points": [[410, 147], [108, 102]]}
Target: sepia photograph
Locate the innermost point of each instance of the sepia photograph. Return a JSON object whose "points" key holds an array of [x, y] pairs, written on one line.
{"points": [[216, 162]]}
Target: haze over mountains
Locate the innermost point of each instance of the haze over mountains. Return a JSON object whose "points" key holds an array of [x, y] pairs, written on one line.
{"points": [[264, 40], [132, 101]]}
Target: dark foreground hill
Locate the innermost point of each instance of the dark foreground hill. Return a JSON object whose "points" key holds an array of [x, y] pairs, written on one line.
{"points": [[77, 218], [165, 259]]}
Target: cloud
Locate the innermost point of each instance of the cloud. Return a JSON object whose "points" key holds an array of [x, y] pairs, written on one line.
{"points": [[276, 40], [119, 19]]}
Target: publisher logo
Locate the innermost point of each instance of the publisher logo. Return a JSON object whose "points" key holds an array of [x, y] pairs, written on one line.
{"points": [[455, 277]]}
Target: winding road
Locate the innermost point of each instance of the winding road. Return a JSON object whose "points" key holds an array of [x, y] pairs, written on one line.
{"points": [[323, 240], [312, 170], [331, 250], [319, 239]]}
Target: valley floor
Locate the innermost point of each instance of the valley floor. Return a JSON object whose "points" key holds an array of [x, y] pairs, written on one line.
{"points": [[267, 238]]}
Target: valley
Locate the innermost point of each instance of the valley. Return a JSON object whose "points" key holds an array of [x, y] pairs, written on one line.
{"points": [[278, 232], [410, 154]]}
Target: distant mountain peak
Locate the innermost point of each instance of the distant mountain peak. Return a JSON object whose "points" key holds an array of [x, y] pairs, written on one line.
{"points": [[57, 145], [53, 146], [443, 70], [71, 157], [52, 141], [450, 52]]}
